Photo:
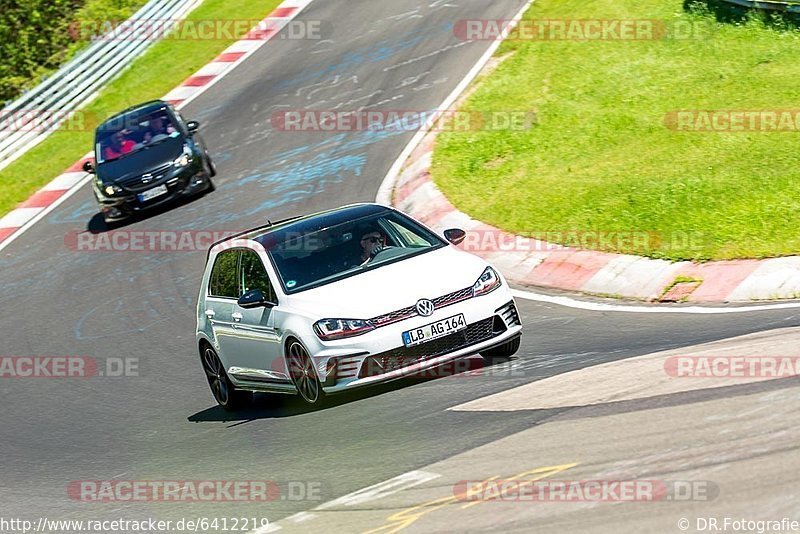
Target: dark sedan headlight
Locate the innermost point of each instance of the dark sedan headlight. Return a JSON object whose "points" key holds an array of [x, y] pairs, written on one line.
{"points": [[330, 329], [108, 190], [486, 283], [184, 159]]}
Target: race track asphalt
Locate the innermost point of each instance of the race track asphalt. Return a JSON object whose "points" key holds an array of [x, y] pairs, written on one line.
{"points": [[163, 423]]}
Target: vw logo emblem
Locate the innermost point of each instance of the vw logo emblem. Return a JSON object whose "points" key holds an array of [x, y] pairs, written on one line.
{"points": [[146, 178], [425, 307]]}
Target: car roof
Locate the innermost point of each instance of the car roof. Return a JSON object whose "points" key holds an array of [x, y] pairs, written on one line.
{"points": [[306, 224], [139, 109]]}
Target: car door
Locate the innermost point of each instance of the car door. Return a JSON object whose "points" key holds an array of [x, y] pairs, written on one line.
{"points": [[221, 296], [257, 345]]}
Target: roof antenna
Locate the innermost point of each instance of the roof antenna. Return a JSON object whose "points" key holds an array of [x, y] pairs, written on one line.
{"points": [[269, 222]]}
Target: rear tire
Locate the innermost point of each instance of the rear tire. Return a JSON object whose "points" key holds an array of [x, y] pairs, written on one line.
{"points": [[225, 393], [502, 352]]}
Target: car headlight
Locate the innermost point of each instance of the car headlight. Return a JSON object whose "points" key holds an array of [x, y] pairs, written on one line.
{"points": [[329, 329], [182, 161], [488, 282], [108, 190]]}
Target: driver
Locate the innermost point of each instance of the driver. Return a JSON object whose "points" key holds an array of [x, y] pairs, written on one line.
{"points": [[372, 241], [159, 126]]}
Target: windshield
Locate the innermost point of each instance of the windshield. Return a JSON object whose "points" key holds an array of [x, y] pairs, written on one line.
{"points": [[311, 259], [130, 133]]}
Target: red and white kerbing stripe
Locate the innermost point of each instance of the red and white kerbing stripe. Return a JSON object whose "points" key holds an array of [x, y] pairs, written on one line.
{"points": [[47, 198]]}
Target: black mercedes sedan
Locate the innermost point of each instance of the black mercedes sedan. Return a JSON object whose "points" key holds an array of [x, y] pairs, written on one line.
{"points": [[146, 156]]}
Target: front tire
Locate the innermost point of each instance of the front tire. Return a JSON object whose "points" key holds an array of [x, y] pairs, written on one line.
{"points": [[212, 169], [225, 393], [502, 352], [304, 376]]}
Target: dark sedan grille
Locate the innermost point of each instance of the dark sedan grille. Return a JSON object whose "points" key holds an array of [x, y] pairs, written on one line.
{"points": [[134, 183], [400, 357], [411, 311]]}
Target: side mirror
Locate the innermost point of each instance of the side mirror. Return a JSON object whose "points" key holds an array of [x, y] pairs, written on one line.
{"points": [[455, 235], [254, 298], [88, 167], [192, 126]]}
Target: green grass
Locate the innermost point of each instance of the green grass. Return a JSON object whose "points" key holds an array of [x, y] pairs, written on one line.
{"points": [[600, 157], [165, 65]]}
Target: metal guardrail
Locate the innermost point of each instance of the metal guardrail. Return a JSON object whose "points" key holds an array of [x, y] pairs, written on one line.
{"points": [[28, 120]]}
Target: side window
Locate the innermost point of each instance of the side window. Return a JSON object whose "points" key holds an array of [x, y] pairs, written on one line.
{"points": [[179, 120], [223, 281], [412, 239], [254, 275]]}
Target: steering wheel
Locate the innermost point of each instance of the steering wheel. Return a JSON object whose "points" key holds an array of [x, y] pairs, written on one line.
{"points": [[376, 251]]}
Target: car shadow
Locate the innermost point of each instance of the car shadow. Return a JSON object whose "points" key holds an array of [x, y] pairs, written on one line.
{"points": [[98, 225], [269, 406]]}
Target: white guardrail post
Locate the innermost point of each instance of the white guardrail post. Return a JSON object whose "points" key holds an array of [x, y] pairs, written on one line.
{"points": [[27, 121]]}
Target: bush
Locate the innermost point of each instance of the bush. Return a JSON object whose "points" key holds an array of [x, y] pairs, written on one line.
{"points": [[36, 36]]}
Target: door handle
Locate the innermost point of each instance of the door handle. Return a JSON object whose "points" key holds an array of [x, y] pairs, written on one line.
{"points": [[210, 314], [236, 316]]}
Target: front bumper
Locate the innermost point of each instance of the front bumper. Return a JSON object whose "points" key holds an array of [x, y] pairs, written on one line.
{"points": [[126, 204], [341, 370]]}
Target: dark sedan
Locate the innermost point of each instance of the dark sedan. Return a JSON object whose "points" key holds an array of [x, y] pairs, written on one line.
{"points": [[147, 156]]}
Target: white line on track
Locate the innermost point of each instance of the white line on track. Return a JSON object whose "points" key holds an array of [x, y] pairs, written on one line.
{"points": [[570, 302], [384, 195]]}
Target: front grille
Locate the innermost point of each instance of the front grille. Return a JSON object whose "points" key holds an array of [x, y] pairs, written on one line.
{"points": [[400, 357], [134, 183], [411, 311]]}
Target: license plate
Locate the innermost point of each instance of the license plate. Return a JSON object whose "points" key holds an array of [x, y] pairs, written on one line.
{"points": [[434, 330], [153, 193]]}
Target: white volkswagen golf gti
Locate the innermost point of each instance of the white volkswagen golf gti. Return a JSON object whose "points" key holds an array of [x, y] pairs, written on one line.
{"points": [[345, 298]]}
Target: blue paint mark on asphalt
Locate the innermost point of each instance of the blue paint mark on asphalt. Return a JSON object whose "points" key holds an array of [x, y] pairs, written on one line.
{"points": [[367, 54]]}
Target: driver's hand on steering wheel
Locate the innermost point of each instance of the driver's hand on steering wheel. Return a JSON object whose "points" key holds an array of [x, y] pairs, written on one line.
{"points": [[375, 250]]}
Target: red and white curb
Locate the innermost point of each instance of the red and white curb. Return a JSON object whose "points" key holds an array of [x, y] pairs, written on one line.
{"points": [[18, 220], [536, 263]]}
